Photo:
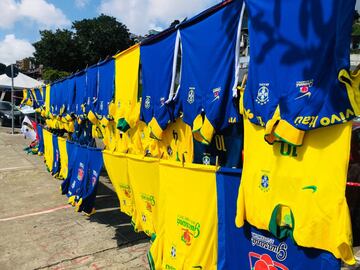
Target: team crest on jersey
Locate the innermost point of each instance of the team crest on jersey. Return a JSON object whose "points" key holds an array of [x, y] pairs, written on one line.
{"points": [[264, 184], [147, 102], [189, 229], [80, 174], [216, 93], [191, 95], [206, 160], [304, 88], [264, 261], [263, 94], [143, 217]]}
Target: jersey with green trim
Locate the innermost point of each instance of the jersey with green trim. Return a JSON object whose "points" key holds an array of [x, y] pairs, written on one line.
{"points": [[298, 191]]}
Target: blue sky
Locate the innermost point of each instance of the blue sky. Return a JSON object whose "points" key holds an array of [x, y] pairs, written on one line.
{"points": [[21, 20]]}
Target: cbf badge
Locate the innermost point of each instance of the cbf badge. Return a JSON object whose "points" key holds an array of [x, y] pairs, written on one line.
{"points": [[191, 95], [264, 183], [263, 94], [147, 102]]}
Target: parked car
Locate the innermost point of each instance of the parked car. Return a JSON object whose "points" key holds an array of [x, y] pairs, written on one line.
{"points": [[6, 116]]}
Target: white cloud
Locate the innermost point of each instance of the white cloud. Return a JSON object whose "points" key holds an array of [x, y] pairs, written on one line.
{"points": [[12, 49], [39, 11], [142, 15], [81, 3]]}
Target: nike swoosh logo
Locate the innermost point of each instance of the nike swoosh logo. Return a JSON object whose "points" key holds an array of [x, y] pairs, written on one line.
{"points": [[313, 188], [304, 95], [197, 267], [216, 99]]}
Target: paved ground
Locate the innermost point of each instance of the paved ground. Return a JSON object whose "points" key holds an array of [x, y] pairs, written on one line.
{"points": [[40, 231]]}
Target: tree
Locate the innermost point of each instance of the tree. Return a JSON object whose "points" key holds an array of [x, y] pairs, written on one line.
{"points": [[100, 37], [87, 42], [356, 16], [57, 50], [50, 75]]}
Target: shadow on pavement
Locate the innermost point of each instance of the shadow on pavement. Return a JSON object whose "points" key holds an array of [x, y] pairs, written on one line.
{"points": [[108, 213]]}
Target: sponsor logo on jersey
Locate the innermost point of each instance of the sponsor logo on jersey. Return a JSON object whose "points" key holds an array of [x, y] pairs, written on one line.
{"points": [[314, 121], [264, 183], [216, 93], [312, 188], [191, 95], [162, 101], [127, 190], [190, 229], [263, 94], [80, 174], [173, 251], [264, 262], [304, 88], [149, 201], [268, 244], [147, 102], [94, 178]]}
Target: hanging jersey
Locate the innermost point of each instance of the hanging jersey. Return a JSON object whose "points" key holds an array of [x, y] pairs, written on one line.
{"points": [[92, 75], [143, 176], [106, 87], [208, 45], [249, 248], [63, 158], [70, 96], [117, 169], [225, 148], [140, 142], [158, 56], [286, 189], [126, 87], [41, 139], [71, 149], [47, 99], [90, 185], [79, 175], [308, 43], [190, 236], [80, 93], [177, 142], [48, 149]]}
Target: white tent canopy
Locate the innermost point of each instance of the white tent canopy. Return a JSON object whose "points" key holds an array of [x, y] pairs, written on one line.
{"points": [[20, 82]]}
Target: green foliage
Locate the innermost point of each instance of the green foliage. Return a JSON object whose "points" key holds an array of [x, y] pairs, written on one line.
{"points": [[50, 75], [356, 29], [89, 41]]}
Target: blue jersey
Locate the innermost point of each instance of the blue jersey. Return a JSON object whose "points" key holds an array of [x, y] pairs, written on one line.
{"points": [[106, 87], [78, 175], [90, 185], [208, 45], [71, 149], [92, 75], [69, 95], [297, 50], [157, 62], [80, 93], [249, 248], [226, 146], [56, 158], [41, 139]]}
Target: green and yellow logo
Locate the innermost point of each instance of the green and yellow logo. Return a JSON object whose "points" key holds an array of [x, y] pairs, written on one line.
{"points": [[126, 189], [149, 201], [190, 229]]}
